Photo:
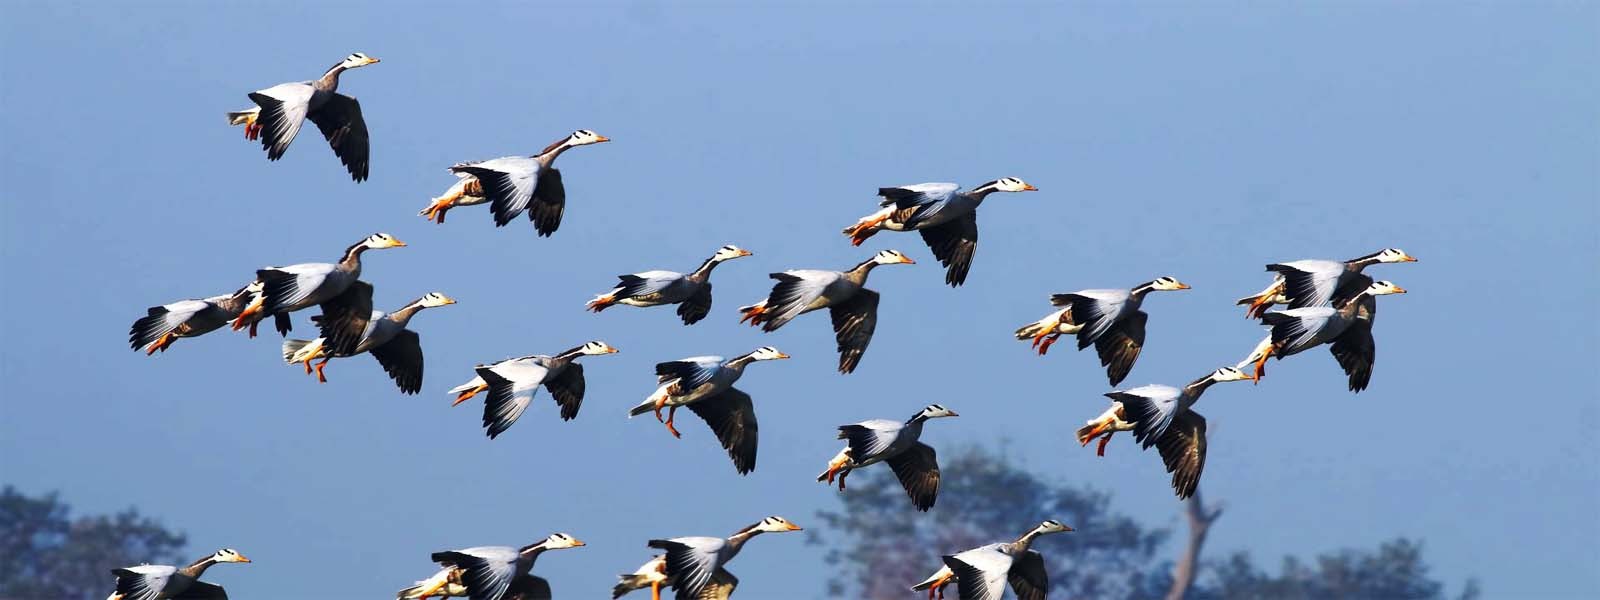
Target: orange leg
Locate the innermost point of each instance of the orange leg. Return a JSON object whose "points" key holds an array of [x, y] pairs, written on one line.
{"points": [[320, 377], [865, 229], [246, 318], [938, 586], [601, 303], [673, 412], [161, 344], [843, 474], [834, 467], [1101, 449], [754, 315], [655, 590], [467, 395], [1261, 365], [1048, 342]]}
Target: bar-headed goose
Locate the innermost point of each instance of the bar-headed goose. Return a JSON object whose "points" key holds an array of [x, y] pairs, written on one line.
{"points": [[1161, 416], [384, 335], [491, 572], [513, 184], [895, 442], [854, 308], [281, 109], [653, 575], [1348, 328], [1307, 283], [693, 562], [705, 385], [982, 573], [946, 217], [692, 292], [153, 582], [165, 324], [346, 301], [1109, 319], [512, 383]]}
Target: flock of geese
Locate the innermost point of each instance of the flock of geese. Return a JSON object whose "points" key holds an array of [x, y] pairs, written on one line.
{"points": [[1330, 303]]}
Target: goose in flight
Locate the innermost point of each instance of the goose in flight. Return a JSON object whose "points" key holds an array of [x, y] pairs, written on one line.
{"points": [[281, 109], [694, 562], [1307, 283], [1161, 416], [854, 308], [894, 442], [692, 292], [513, 184], [946, 217], [512, 383], [1108, 319], [982, 573], [491, 572], [384, 335], [160, 582], [705, 385]]}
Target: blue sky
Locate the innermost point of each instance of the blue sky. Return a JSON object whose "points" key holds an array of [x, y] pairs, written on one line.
{"points": [[1167, 139]]}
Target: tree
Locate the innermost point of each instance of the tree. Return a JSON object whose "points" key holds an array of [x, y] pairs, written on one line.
{"points": [[46, 554], [882, 545]]}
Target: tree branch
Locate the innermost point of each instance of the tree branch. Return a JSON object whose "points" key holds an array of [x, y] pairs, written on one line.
{"points": [[1200, 519]]}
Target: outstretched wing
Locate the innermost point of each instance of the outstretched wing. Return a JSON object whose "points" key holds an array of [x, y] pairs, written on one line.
{"points": [[549, 202], [868, 439], [794, 293], [697, 305], [1356, 351], [1183, 449], [1151, 408], [1096, 310], [567, 388], [854, 320], [1309, 282], [732, 417], [508, 183], [529, 587], [144, 582], [345, 317], [1028, 577], [200, 590], [488, 571], [340, 121], [1120, 346], [690, 372], [691, 563], [918, 470], [954, 243], [401, 358], [283, 110]]}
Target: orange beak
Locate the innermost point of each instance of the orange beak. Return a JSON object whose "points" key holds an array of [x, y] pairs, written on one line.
{"points": [[1409, 258], [793, 527], [746, 253], [1399, 290], [1028, 187], [601, 138], [1183, 286], [782, 355], [907, 260]]}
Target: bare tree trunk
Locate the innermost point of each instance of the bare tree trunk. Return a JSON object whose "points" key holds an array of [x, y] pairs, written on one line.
{"points": [[1200, 520]]}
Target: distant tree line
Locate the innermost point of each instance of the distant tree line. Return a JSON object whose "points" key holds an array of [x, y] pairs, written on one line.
{"points": [[46, 554]]}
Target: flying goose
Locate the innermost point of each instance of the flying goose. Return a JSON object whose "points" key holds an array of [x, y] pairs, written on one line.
{"points": [[653, 575], [384, 335], [513, 184], [1307, 283], [854, 308], [491, 572], [692, 292], [1347, 328], [884, 440], [982, 573], [1160, 415], [512, 383], [1109, 319], [946, 217], [694, 562], [345, 299], [280, 110], [159, 582], [705, 385], [165, 324]]}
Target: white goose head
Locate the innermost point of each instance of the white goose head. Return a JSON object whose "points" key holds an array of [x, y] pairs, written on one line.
{"points": [[357, 60], [584, 137], [381, 240], [227, 555], [597, 347], [1394, 255], [892, 257], [775, 524], [1051, 526], [560, 541], [1168, 284], [935, 411], [729, 252], [1384, 288], [1227, 374], [1012, 184], [434, 299], [767, 353]]}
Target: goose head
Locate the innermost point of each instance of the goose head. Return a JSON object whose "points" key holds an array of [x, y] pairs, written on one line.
{"points": [[584, 137], [1394, 255], [935, 411], [357, 60], [227, 555], [1051, 526], [1226, 374], [729, 252], [434, 299], [597, 347], [892, 257], [560, 541], [767, 353], [775, 524], [1167, 284], [1006, 184], [1384, 288], [378, 241]]}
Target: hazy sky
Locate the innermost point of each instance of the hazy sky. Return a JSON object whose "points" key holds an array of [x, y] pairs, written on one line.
{"points": [[1167, 139]]}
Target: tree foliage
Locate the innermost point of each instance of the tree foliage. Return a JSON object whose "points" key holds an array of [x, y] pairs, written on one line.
{"points": [[45, 553], [881, 546]]}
